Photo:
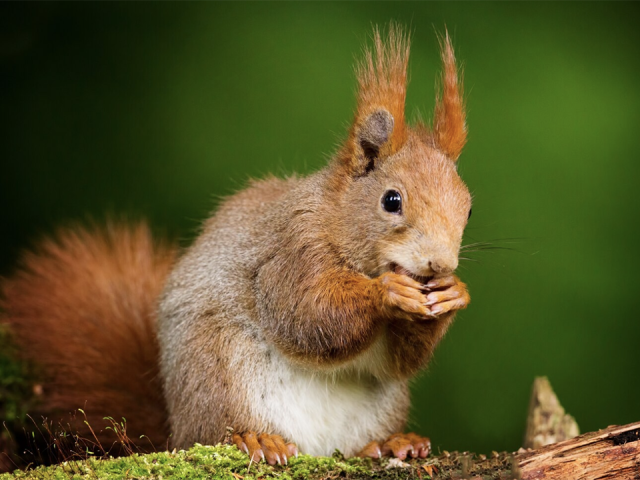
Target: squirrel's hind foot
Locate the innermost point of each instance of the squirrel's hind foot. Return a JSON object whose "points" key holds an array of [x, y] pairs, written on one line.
{"points": [[399, 445], [270, 448]]}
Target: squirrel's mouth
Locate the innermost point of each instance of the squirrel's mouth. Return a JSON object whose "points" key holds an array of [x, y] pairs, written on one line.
{"points": [[400, 270]]}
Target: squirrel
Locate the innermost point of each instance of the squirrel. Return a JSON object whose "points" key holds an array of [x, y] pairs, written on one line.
{"points": [[297, 316]]}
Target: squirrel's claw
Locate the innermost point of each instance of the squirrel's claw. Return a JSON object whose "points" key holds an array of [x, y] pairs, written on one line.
{"points": [[372, 450], [406, 298], [451, 295], [403, 297], [292, 450], [269, 448], [399, 445], [238, 442]]}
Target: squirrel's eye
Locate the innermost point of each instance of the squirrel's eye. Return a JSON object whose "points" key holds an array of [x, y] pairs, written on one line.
{"points": [[470, 210], [392, 201]]}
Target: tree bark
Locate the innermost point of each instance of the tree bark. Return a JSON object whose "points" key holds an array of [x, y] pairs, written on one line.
{"points": [[612, 453]]}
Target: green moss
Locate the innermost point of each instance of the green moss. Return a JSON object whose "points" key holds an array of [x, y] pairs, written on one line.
{"points": [[226, 462], [204, 462]]}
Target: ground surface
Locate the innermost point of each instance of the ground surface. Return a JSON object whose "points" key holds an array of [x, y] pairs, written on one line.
{"points": [[227, 462]]}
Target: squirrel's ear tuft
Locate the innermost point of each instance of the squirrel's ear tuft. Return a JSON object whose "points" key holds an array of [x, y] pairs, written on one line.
{"points": [[449, 123], [379, 128]]}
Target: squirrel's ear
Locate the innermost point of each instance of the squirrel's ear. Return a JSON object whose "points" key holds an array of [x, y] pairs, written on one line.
{"points": [[371, 135], [449, 124], [379, 129]]}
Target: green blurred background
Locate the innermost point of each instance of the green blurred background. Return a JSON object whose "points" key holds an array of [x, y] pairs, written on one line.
{"points": [[155, 110]]}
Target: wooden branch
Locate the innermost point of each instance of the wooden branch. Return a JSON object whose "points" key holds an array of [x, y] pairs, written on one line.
{"points": [[612, 453]]}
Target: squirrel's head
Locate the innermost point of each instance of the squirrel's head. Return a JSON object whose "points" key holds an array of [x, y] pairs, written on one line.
{"points": [[403, 204]]}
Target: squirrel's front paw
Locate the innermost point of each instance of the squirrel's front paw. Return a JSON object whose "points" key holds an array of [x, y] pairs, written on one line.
{"points": [[446, 294], [270, 448], [403, 297]]}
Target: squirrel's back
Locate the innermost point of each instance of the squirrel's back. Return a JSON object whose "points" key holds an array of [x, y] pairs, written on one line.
{"points": [[82, 308]]}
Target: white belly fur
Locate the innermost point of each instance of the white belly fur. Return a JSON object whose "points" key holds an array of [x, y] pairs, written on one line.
{"points": [[321, 412]]}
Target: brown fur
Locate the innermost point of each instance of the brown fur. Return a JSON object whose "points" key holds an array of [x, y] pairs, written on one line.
{"points": [[82, 308], [324, 262]]}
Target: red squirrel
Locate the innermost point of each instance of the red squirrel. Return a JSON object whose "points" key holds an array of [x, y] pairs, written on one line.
{"points": [[297, 316]]}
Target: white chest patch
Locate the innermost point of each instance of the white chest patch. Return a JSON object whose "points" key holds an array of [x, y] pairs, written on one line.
{"points": [[321, 412]]}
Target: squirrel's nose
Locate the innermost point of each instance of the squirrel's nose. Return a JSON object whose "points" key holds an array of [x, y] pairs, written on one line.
{"points": [[443, 266]]}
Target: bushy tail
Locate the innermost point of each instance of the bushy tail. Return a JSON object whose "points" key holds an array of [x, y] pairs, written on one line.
{"points": [[82, 308]]}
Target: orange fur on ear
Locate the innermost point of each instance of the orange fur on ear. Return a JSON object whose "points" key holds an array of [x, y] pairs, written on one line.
{"points": [[449, 125], [382, 85]]}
